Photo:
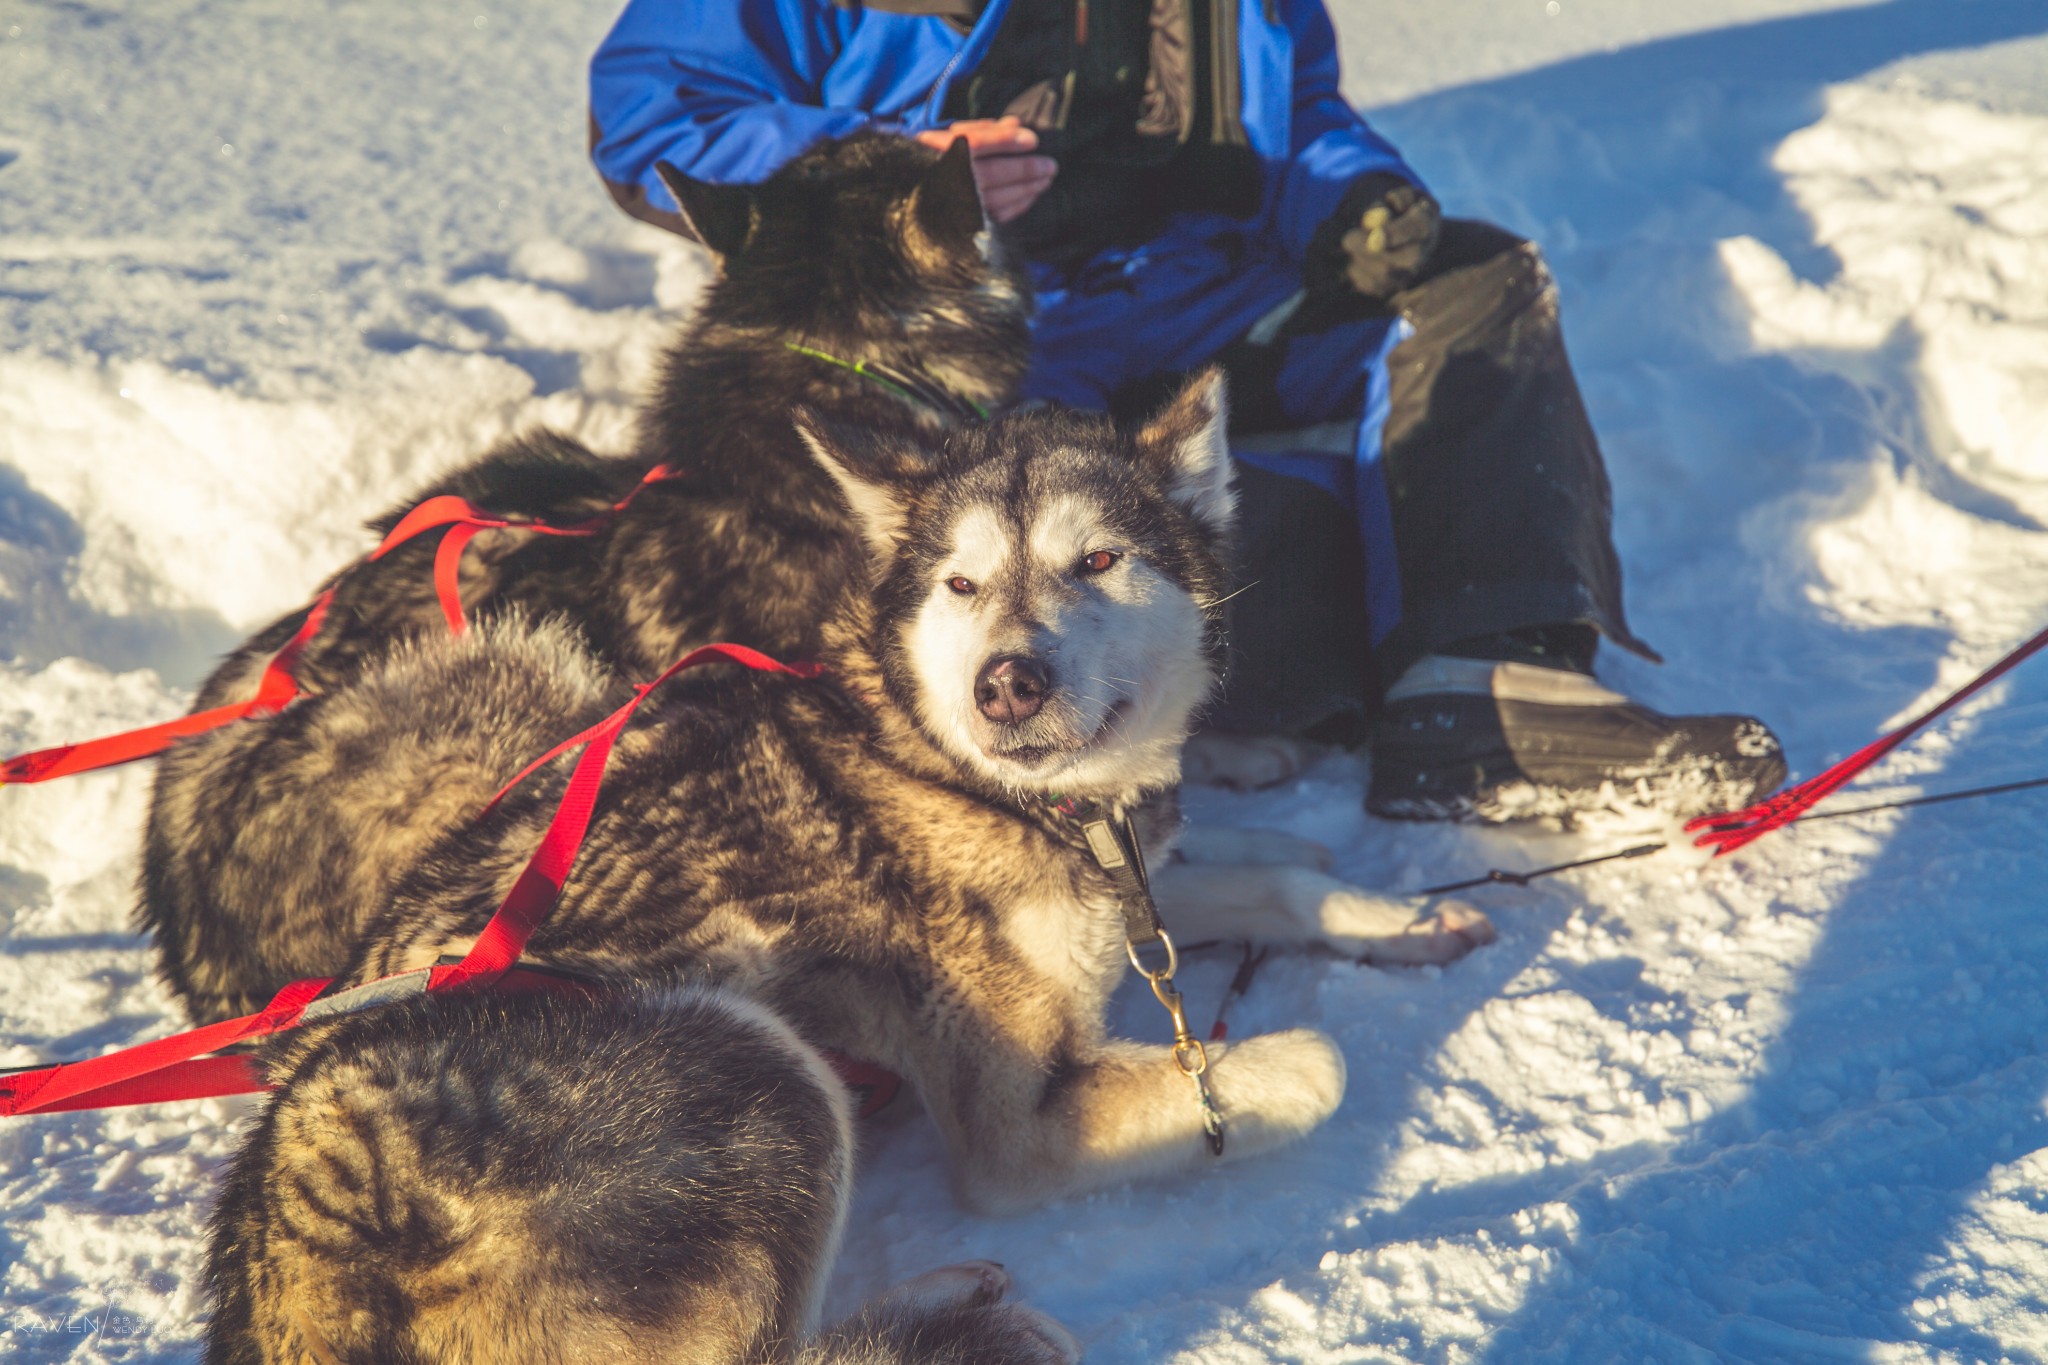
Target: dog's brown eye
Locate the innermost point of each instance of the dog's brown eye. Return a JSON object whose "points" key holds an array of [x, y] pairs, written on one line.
{"points": [[1099, 561], [963, 586]]}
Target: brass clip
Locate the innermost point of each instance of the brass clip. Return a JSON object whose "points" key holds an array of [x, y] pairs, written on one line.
{"points": [[1188, 1053]]}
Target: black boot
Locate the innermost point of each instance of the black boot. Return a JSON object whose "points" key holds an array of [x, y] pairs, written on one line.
{"points": [[1527, 733]]}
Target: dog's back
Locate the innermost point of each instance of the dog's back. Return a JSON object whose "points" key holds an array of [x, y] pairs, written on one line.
{"points": [[301, 822], [651, 1177]]}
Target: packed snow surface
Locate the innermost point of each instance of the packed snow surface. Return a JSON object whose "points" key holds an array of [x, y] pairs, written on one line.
{"points": [[266, 267]]}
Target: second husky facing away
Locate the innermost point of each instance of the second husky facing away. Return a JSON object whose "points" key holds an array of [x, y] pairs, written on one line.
{"points": [[874, 855], [656, 1175]]}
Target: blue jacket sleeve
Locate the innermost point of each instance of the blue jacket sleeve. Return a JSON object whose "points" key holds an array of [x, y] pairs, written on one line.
{"points": [[1330, 146], [726, 90]]}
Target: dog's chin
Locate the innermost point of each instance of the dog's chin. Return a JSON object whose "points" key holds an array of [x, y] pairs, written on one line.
{"points": [[1110, 756], [1039, 750]]}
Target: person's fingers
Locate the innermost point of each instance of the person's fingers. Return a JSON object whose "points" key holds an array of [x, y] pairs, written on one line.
{"points": [[997, 172], [1008, 132], [1004, 205], [1012, 200], [1009, 180], [1369, 283], [985, 137]]}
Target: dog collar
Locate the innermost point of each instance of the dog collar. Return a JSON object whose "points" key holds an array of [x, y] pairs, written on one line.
{"points": [[915, 389], [1113, 844]]}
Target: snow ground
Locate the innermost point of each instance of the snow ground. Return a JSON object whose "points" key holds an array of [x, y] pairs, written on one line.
{"points": [[1785, 1107]]}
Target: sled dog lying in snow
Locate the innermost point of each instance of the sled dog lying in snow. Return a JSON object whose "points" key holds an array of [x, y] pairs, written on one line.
{"points": [[875, 855], [869, 249], [656, 1175]]}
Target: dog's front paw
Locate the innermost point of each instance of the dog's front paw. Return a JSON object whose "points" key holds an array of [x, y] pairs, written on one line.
{"points": [[1401, 930], [1275, 1088], [1244, 762]]}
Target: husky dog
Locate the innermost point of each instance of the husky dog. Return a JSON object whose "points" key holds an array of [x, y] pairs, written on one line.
{"points": [[876, 855], [869, 250], [647, 1176]]}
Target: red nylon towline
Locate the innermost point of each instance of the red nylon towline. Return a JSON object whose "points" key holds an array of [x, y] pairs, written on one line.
{"points": [[276, 690], [279, 686], [1735, 829], [169, 1068]]}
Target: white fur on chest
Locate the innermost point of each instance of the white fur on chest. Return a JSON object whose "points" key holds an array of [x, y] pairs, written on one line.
{"points": [[1076, 943]]}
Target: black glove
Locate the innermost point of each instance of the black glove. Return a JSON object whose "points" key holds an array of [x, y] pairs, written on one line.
{"points": [[1379, 239]]}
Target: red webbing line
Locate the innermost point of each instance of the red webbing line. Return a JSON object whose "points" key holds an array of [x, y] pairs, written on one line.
{"points": [[875, 1086], [161, 1070], [448, 573], [464, 519], [540, 882], [201, 1078], [1727, 832], [273, 692], [175, 1068], [572, 742], [494, 952], [35, 1092], [279, 686]]}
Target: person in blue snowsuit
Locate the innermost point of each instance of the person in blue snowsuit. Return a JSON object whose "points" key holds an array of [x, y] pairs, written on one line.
{"points": [[1426, 513]]}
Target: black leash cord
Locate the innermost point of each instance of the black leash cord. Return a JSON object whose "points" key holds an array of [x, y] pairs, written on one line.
{"points": [[1500, 877], [1497, 875], [1935, 800], [1248, 967]]}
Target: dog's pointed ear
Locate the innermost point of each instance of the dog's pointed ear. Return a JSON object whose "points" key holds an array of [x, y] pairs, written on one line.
{"points": [[1187, 444], [870, 473], [946, 203], [719, 216]]}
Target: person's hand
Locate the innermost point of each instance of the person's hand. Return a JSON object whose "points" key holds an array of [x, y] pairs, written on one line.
{"points": [[1009, 177], [1384, 233]]}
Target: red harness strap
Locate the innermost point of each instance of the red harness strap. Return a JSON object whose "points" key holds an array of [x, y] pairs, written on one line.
{"points": [[279, 686], [1727, 832], [464, 519], [181, 1066]]}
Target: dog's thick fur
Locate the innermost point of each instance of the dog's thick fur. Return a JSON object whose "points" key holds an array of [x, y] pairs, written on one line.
{"points": [[871, 855], [870, 248], [649, 1176]]}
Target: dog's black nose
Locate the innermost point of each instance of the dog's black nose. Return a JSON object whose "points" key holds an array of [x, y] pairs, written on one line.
{"points": [[1011, 688]]}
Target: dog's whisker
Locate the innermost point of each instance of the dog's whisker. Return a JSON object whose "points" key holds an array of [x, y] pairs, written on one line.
{"points": [[1212, 605]]}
